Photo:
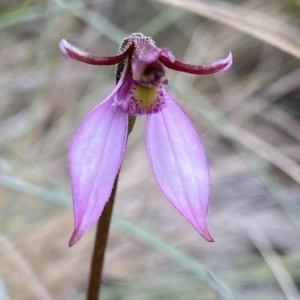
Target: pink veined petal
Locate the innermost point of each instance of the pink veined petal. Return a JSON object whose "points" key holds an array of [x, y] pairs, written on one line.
{"points": [[75, 53], [95, 157], [215, 67], [179, 163]]}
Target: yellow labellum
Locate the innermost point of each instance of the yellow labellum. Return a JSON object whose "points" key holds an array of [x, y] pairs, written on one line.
{"points": [[146, 95]]}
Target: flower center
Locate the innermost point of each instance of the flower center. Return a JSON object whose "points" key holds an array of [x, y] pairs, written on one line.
{"points": [[137, 99], [145, 95], [153, 75]]}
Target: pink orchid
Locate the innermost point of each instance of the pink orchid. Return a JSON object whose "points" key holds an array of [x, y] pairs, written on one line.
{"points": [[176, 155]]}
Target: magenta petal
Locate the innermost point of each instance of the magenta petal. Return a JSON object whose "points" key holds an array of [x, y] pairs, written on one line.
{"points": [[179, 163], [95, 158], [215, 67]]}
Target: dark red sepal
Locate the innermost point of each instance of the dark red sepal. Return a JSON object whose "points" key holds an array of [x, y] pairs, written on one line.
{"points": [[73, 52], [215, 67]]}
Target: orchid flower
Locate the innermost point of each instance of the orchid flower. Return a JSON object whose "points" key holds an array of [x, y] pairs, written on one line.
{"points": [[176, 155]]}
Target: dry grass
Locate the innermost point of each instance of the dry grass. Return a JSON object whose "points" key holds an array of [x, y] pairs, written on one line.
{"points": [[248, 119]]}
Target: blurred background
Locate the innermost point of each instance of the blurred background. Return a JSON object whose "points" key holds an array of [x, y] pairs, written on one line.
{"points": [[248, 119]]}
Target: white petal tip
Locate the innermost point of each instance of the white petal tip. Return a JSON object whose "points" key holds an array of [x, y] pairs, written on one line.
{"points": [[64, 45], [71, 51], [228, 61]]}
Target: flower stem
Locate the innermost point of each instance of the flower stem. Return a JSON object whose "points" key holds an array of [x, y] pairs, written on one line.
{"points": [[102, 237], [100, 247]]}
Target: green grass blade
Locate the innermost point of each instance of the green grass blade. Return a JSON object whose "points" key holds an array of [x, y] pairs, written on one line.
{"points": [[183, 259]]}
